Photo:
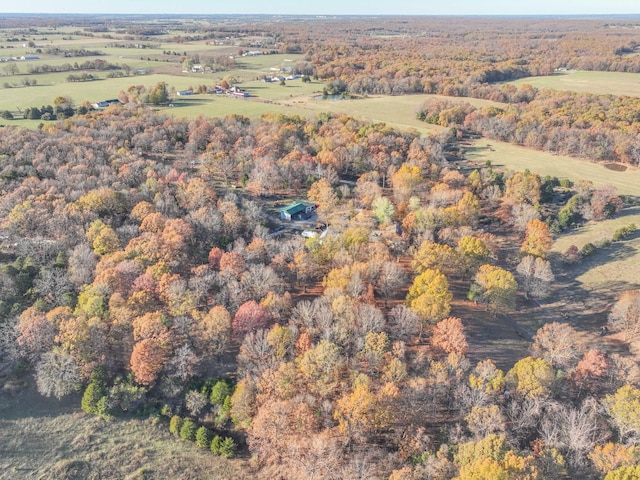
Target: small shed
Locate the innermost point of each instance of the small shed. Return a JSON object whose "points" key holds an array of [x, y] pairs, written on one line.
{"points": [[298, 210]]}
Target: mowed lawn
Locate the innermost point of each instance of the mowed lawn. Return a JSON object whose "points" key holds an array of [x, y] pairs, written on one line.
{"points": [[614, 83]]}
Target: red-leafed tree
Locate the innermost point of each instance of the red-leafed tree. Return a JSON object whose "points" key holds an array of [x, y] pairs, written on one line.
{"points": [[250, 316], [591, 371], [215, 255]]}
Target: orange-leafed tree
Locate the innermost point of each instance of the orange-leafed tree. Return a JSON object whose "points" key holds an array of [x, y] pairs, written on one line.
{"points": [[148, 358], [537, 240], [448, 336]]}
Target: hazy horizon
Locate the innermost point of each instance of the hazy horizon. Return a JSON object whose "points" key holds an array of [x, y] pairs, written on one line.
{"points": [[331, 7]]}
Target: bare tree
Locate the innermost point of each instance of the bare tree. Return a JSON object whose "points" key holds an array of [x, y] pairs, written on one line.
{"points": [[58, 374], [536, 276], [404, 323], [390, 278], [521, 214], [625, 314], [82, 262], [558, 344], [574, 431], [52, 285], [9, 350]]}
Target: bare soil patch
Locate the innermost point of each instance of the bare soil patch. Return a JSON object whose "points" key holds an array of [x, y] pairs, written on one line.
{"points": [[616, 167]]}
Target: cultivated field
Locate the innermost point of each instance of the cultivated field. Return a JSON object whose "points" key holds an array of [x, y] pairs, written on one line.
{"points": [[603, 83]]}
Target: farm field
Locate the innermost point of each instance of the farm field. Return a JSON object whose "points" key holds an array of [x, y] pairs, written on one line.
{"points": [[603, 83], [520, 158]]}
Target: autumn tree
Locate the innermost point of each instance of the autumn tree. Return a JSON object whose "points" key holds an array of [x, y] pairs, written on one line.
{"points": [[604, 203], [322, 193], [623, 407], [524, 187], [537, 241], [405, 181], [433, 255], [495, 287], [148, 358], [486, 382], [533, 377], [625, 315], [159, 94], [321, 368], [472, 252], [626, 472], [429, 296], [591, 371], [361, 411], [491, 458], [36, 334], [215, 330], [250, 316], [611, 456], [483, 421], [448, 336]]}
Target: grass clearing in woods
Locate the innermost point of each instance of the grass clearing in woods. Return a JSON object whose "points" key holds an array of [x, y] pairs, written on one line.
{"points": [[600, 83]]}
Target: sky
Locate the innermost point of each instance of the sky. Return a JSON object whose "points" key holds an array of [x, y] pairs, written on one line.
{"points": [[329, 7]]}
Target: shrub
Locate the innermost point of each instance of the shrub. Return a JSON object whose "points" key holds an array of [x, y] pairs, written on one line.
{"points": [[565, 183], [623, 232], [7, 115], [188, 430], [572, 255], [175, 424], [588, 249], [203, 437], [603, 243]]}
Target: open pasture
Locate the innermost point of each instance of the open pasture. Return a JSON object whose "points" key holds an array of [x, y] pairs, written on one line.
{"points": [[543, 163], [615, 264], [602, 83], [44, 438]]}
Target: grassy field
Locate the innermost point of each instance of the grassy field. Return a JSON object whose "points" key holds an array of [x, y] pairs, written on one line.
{"points": [[520, 158], [614, 83], [41, 438], [616, 264]]}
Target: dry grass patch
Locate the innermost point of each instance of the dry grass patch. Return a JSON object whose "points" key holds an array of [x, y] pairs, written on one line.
{"points": [[42, 439]]}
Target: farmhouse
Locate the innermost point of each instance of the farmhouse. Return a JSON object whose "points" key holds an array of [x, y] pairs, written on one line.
{"points": [[104, 103], [298, 210], [182, 93]]}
